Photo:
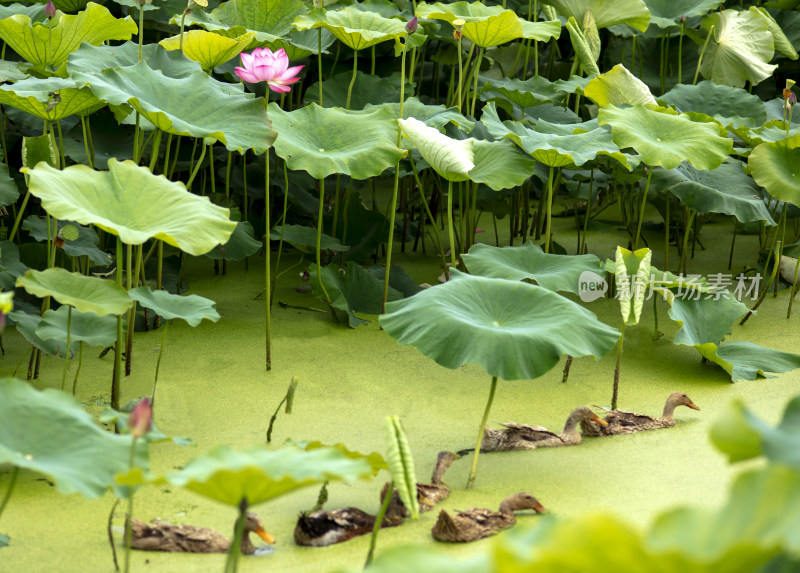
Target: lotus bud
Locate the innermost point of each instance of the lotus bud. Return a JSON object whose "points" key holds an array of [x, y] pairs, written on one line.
{"points": [[141, 419], [683, 18], [49, 10], [411, 25], [458, 24]]}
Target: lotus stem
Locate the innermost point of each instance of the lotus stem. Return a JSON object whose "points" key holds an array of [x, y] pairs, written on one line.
{"points": [[11, 483], [110, 534], [772, 275], [89, 157], [183, 21], [197, 166], [352, 79], [793, 289], [428, 211], [232, 563], [680, 51], [319, 62], [615, 391], [283, 227], [66, 351], [450, 227], [641, 208], [460, 76], [549, 209], [475, 84], [689, 221], [128, 526], [115, 381], [666, 234], [474, 468], [586, 217], [267, 253], [158, 361], [78, 371], [319, 239], [373, 539], [141, 30], [702, 51], [18, 219], [154, 150]]}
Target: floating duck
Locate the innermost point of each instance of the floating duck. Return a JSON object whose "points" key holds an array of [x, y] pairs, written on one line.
{"points": [[619, 422], [321, 527], [477, 523]]}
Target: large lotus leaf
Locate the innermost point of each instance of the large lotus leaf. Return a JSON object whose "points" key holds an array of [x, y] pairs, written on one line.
{"points": [[782, 44], [51, 433], [367, 89], [86, 327], [86, 294], [739, 50], [269, 19], [431, 115], [129, 201], [744, 360], [241, 244], [540, 31], [776, 167], [513, 329], [31, 40], [195, 105], [375, 459], [534, 91], [95, 59], [726, 104], [556, 145], [9, 193], [10, 265], [259, 475], [207, 48], [355, 28], [324, 141], [36, 97], [189, 307], [553, 272], [27, 325], [667, 13], [304, 239], [726, 189], [780, 443], [451, 158], [85, 245], [35, 11], [606, 13], [500, 164], [618, 87], [300, 44], [467, 11], [665, 138], [703, 319]]}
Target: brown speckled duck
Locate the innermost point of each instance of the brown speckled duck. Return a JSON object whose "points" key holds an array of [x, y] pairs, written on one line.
{"points": [[522, 437], [619, 422], [478, 523], [156, 536], [320, 528], [428, 494]]}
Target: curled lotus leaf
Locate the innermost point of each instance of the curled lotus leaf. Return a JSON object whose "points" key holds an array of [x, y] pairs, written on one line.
{"points": [[776, 167], [451, 158], [618, 87], [50, 98]]}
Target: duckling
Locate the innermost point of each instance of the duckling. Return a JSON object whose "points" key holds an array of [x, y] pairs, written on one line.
{"points": [[320, 528], [428, 494], [478, 523], [619, 422], [157, 536], [522, 437]]}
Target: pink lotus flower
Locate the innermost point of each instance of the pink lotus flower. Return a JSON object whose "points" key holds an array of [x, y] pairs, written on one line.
{"points": [[262, 65]]}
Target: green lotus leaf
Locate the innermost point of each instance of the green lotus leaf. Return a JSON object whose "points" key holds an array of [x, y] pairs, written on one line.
{"points": [[11, 71], [27, 325], [304, 239], [50, 432], [728, 105], [36, 97], [367, 89], [618, 87], [665, 138], [10, 265], [189, 307], [631, 275], [556, 145], [259, 475], [726, 189], [401, 465], [241, 245], [776, 167], [451, 158], [86, 294], [667, 13], [782, 44], [95, 59], [467, 11], [772, 131], [375, 460], [553, 272], [739, 50], [634, 13], [195, 105], [513, 329], [534, 91], [744, 360], [35, 11], [355, 28], [705, 320], [500, 164], [269, 19], [32, 40], [324, 141], [300, 44], [540, 31], [755, 437], [431, 115], [9, 193], [583, 49], [86, 243], [129, 201], [86, 327], [207, 48]]}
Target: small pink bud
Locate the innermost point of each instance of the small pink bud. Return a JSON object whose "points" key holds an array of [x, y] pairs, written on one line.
{"points": [[49, 10], [683, 18], [791, 100], [141, 419], [411, 25]]}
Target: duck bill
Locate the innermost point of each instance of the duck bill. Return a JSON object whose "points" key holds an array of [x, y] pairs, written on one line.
{"points": [[265, 535], [600, 420], [693, 406], [539, 508]]}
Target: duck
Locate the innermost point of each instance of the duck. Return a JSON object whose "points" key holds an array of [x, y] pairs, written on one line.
{"points": [[428, 494], [522, 437], [322, 527], [477, 523], [619, 422], [157, 536]]}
